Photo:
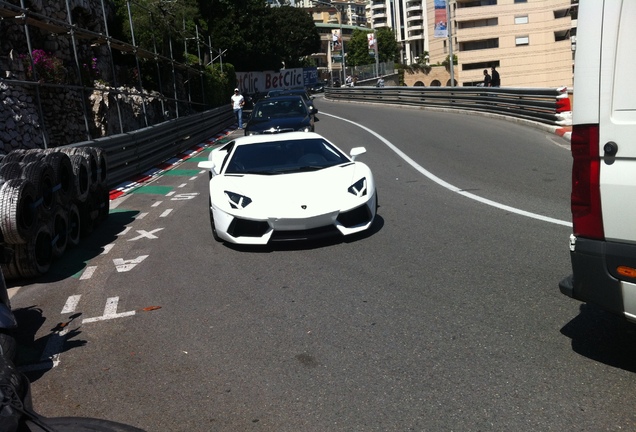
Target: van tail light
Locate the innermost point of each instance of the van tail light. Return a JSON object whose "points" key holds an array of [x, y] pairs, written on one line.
{"points": [[587, 219]]}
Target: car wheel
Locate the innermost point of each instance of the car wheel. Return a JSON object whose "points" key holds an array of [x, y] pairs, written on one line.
{"points": [[214, 234], [7, 345]]}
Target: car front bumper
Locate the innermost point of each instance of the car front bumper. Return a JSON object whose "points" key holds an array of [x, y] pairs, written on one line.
{"points": [[237, 230]]}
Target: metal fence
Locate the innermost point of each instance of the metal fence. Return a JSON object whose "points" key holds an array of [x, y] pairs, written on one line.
{"points": [[535, 104], [134, 153]]}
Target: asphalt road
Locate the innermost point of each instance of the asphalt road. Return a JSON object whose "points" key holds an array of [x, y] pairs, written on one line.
{"points": [[445, 317]]}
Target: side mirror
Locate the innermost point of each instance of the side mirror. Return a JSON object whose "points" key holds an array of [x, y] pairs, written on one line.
{"points": [[357, 151], [208, 165], [313, 110]]}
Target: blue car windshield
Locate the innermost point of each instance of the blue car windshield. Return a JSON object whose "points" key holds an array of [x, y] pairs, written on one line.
{"points": [[284, 157]]}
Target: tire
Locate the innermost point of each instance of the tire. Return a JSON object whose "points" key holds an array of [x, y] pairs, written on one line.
{"points": [[32, 156], [102, 166], [8, 344], [81, 177], [63, 176], [10, 170], [74, 227], [10, 270], [18, 214], [90, 157], [215, 235], [34, 257], [14, 156], [42, 176], [59, 232]]}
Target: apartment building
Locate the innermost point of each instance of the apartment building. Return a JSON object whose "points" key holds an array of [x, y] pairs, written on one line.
{"points": [[529, 41]]}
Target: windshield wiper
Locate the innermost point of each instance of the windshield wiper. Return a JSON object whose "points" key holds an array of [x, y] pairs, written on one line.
{"points": [[305, 168]]}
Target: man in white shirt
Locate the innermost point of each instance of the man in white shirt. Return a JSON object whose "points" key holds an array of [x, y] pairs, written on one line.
{"points": [[237, 105]]}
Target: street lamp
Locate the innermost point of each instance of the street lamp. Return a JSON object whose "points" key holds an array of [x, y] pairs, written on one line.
{"points": [[340, 13]]}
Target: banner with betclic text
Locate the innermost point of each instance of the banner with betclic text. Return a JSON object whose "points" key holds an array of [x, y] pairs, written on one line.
{"points": [[262, 82]]}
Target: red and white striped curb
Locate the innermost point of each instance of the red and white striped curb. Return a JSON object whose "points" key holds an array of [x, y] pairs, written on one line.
{"points": [[565, 132]]}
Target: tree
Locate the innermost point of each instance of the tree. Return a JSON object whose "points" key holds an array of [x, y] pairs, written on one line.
{"points": [[293, 35], [157, 23], [357, 49], [258, 37], [388, 48]]}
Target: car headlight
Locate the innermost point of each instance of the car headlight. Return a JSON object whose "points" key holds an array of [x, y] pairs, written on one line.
{"points": [[305, 129], [359, 188], [237, 200]]}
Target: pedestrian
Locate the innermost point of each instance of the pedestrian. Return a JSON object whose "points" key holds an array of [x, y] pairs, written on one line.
{"points": [[496, 81], [237, 105], [380, 82], [487, 79]]}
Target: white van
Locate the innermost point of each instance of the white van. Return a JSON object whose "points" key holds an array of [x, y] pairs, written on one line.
{"points": [[603, 243]]}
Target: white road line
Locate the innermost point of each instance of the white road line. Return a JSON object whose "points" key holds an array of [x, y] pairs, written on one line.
{"points": [[165, 213], [88, 272], [193, 178], [182, 185], [71, 304], [107, 248], [110, 312], [157, 204], [170, 193], [449, 186], [141, 216]]}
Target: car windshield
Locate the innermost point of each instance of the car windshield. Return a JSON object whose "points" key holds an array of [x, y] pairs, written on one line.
{"points": [[271, 108], [293, 92], [285, 157]]}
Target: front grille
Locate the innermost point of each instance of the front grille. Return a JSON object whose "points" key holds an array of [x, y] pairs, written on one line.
{"points": [[310, 234], [358, 216], [247, 228]]}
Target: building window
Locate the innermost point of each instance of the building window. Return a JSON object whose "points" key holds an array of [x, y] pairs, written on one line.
{"points": [[479, 65], [521, 1], [478, 23], [561, 35], [562, 13], [479, 45], [521, 19], [476, 3], [522, 40]]}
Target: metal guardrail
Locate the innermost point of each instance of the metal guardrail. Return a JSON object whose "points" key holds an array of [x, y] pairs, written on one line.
{"points": [[535, 104], [133, 153]]}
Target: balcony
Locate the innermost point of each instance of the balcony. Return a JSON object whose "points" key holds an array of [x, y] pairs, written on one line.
{"points": [[378, 5], [415, 25], [413, 6]]}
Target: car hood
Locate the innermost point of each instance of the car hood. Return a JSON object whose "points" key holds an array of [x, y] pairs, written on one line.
{"points": [[286, 194]]}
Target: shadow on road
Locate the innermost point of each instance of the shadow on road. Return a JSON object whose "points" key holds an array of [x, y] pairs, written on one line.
{"points": [[603, 337], [74, 259]]}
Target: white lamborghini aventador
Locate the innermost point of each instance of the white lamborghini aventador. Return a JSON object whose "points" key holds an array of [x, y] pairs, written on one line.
{"points": [[289, 186]]}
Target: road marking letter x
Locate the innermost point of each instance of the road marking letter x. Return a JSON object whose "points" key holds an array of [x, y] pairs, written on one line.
{"points": [[146, 234]]}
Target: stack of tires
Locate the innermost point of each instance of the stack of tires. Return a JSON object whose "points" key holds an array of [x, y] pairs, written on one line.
{"points": [[49, 199]]}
